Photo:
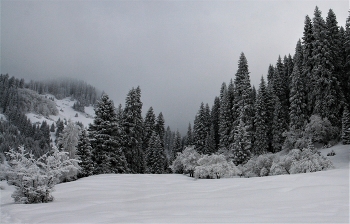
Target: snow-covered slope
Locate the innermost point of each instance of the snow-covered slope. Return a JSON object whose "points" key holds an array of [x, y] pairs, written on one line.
{"points": [[321, 197], [66, 112]]}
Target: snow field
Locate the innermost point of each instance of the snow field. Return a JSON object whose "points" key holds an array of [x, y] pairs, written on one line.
{"points": [[321, 197]]}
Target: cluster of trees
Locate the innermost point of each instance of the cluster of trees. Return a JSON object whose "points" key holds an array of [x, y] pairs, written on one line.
{"points": [[120, 141], [312, 86]]}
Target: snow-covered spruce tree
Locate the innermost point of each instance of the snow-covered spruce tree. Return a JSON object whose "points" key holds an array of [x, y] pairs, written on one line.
{"points": [[155, 158], [68, 139], [280, 93], [84, 154], [243, 103], [189, 137], [34, 180], [149, 127], [261, 145], [201, 128], [132, 131], [308, 48], [327, 92], [240, 149], [225, 118], [278, 126], [159, 128], [215, 113], [177, 146], [104, 134], [209, 146], [298, 107], [346, 127]]}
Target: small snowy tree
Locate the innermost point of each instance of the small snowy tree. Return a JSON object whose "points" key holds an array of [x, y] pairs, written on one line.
{"points": [[186, 161], [34, 180], [68, 139]]}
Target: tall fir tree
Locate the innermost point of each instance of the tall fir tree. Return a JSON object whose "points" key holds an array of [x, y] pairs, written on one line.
{"points": [[308, 48], [202, 127], [108, 156], [327, 89], [225, 121], [159, 128], [215, 118], [298, 95], [133, 131], [84, 153], [189, 136], [240, 149], [261, 145], [177, 144], [278, 127], [243, 98], [149, 127], [155, 158]]}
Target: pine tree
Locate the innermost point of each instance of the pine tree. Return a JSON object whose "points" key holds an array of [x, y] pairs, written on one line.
{"points": [[149, 127], [225, 120], [298, 94], [132, 131], [155, 159], [104, 134], [177, 144], [189, 138], [326, 91], [209, 146], [159, 128], [308, 48], [84, 153], [278, 127], [202, 127], [261, 143], [243, 98], [240, 149], [346, 126], [215, 118]]}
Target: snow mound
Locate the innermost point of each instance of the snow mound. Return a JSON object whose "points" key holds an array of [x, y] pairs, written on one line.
{"points": [[127, 198]]}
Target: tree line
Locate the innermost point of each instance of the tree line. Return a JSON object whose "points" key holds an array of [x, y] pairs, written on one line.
{"points": [[312, 86]]}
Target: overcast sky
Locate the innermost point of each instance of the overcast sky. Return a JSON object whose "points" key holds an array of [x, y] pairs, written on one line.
{"points": [[178, 52]]}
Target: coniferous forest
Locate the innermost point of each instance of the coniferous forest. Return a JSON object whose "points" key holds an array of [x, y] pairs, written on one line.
{"points": [[301, 103]]}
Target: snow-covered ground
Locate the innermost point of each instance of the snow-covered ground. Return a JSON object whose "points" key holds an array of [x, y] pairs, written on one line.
{"points": [[321, 197], [66, 111]]}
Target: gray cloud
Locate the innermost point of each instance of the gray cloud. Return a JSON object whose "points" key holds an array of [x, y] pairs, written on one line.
{"points": [[178, 52]]}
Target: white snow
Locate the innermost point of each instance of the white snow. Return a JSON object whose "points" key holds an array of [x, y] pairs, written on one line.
{"points": [[111, 198], [66, 111]]}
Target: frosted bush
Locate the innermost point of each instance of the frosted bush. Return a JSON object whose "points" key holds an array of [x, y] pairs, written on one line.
{"points": [[33, 179], [215, 167], [186, 161], [258, 166], [310, 161]]}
